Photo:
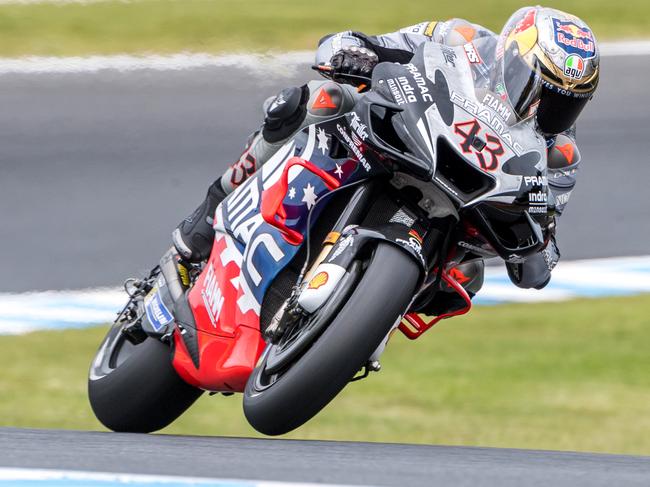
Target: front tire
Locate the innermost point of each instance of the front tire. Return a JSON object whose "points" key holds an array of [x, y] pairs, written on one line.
{"points": [[134, 388], [316, 377]]}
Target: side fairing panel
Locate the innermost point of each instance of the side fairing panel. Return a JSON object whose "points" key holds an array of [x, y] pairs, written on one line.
{"points": [[266, 250], [249, 250]]}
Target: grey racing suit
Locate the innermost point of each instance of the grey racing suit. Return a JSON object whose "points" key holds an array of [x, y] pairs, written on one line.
{"points": [[295, 108]]}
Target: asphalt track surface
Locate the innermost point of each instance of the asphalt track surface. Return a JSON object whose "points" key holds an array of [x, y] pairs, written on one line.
{"points": [[97, 169], [316, 461]]}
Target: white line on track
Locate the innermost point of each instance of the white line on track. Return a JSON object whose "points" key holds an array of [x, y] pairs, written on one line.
{"points": [[56, 310], [625, 48], [274, 64], [71, 478], [270, 64]]}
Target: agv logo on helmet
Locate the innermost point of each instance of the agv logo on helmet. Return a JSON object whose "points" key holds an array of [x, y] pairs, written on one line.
{"points": [[574, 66]]}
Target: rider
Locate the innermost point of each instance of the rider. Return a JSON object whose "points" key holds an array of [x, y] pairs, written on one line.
{"points": [[559, 45]]}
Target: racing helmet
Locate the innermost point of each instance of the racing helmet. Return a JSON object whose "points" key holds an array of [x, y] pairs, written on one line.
{"points": [[558, 51]]}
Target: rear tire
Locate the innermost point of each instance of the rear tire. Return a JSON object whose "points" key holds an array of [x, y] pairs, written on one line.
{"points": [[316, 377], [134, 388]]}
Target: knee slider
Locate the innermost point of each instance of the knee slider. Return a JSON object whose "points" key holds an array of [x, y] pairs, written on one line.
{"points": [[285, 114]]}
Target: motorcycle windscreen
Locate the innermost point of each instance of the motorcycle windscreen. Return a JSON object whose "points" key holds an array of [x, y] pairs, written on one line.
{"points": [[519, 82]]}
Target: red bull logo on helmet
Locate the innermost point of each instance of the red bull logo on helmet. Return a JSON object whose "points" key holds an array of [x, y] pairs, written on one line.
{"points": [[574, 39]]}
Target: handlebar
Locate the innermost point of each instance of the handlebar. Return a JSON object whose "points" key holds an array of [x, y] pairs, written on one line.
{"points": [[362, 82]]}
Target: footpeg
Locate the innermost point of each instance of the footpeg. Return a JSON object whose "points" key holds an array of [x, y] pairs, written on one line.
{"points": [[370, 366]]}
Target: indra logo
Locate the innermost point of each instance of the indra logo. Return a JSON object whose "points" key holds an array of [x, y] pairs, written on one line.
{"points": [[537, 202]]}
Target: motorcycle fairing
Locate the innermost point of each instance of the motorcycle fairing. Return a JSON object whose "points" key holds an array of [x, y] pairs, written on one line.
{"points": [[446, 103], [479, 132], [507, 157], [249, 252]]}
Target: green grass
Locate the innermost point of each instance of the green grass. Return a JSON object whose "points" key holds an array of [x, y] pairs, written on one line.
{"points": [[569, 376], [233, 25]]}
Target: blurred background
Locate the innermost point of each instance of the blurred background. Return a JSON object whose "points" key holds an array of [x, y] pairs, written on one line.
{"points": [[100, 159]]}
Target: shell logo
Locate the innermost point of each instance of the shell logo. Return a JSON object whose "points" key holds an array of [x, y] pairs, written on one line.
{"points": [[318, 280]]}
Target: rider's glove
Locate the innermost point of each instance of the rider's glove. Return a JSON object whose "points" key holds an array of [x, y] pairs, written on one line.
{"points": [[356, 61]]}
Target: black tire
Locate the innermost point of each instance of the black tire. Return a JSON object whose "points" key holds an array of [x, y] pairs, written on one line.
{"points": [[314, 379], [134, 388]]}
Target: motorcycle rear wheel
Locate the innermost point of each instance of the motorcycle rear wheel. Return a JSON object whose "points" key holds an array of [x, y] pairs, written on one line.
{"points": [[275, 404], [134, 388]]}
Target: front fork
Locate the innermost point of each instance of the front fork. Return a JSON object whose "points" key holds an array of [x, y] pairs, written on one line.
{"points": [[424, 240]]}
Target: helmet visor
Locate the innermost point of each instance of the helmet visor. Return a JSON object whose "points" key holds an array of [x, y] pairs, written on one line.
{"points": [[558, 112], [522, 82]]}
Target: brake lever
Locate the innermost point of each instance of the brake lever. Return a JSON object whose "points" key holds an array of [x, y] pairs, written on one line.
{"points": [[328, 71]]}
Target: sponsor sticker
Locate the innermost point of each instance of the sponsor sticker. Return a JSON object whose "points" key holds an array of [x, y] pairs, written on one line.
{"points": [[472, 54], [498, 106], [354, 146], [429, 30], [527, 22], [157, 313], [538, 198], [449, 55], [563, 199], [420, 82], [279, 100], [402, 90], [341, 247], [472, 247], [501, 91], [415, 29], [319, 280], [537, 202], [212, 296], [360, 128], [573, 39], [413, 243], [535, 180], [574, 66]]}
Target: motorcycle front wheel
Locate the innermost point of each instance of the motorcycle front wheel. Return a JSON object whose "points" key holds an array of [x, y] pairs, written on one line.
{"points": [[279, 401]]}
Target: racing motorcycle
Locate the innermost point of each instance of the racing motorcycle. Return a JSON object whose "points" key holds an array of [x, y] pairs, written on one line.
{"points": [[350, 232]]}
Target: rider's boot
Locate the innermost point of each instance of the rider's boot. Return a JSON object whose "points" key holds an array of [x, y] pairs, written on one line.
{"points": [[194, 235]]}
